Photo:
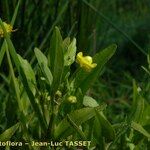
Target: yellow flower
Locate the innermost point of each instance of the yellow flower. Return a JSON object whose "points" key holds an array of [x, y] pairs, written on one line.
{"points": [[72, 99], [85, 62], [8, 28]]}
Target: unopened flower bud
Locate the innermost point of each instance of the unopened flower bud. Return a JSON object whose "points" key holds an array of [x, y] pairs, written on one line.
{"points": [[58, 93], [72, 99]]}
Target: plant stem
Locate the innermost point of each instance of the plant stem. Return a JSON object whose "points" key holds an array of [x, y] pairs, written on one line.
{"points": [[16, 88]]}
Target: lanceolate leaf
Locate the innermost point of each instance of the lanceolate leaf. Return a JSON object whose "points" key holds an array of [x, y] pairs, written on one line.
{"points": [[137, 105], [69, 55], [107, 129], [64, 128], [140, 129], [43, 63], [7, 134], [28, 71], [146, 115], [97, 134], [56, 58], [89, 101], [97, 130], [2, 52]]}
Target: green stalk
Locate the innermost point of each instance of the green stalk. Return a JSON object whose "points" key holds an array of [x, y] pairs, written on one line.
{"points": [[15, 13], [7, 9], [51, 123], [13, 76], [2, 52]]}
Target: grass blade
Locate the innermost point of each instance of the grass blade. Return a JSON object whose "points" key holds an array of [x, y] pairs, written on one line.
{"points": [[2, 52], [140, 129], [15, 13], [7, 134], [115, 26]]}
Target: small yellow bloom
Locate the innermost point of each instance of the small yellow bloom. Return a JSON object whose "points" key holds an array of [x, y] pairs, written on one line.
{"points": [[72, 99], [8, 28], [85, 62]]}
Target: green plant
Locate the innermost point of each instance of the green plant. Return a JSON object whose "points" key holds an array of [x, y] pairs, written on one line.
{"points": [[56, 95], [50, 99]]}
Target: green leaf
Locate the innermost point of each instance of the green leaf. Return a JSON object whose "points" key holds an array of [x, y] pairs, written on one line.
{"points": [[145, 120], [78, 117], [83, 79], [89, 102], [28, 71], [66, 43], [69, 56], [56, 58], [97, 130], [137, 105], [107, 129], [2, 52], [76, 128], [43, 63], [30, 76], [97, 134], [33, 101], [7, 134], [40, 57], [140, 129]]}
